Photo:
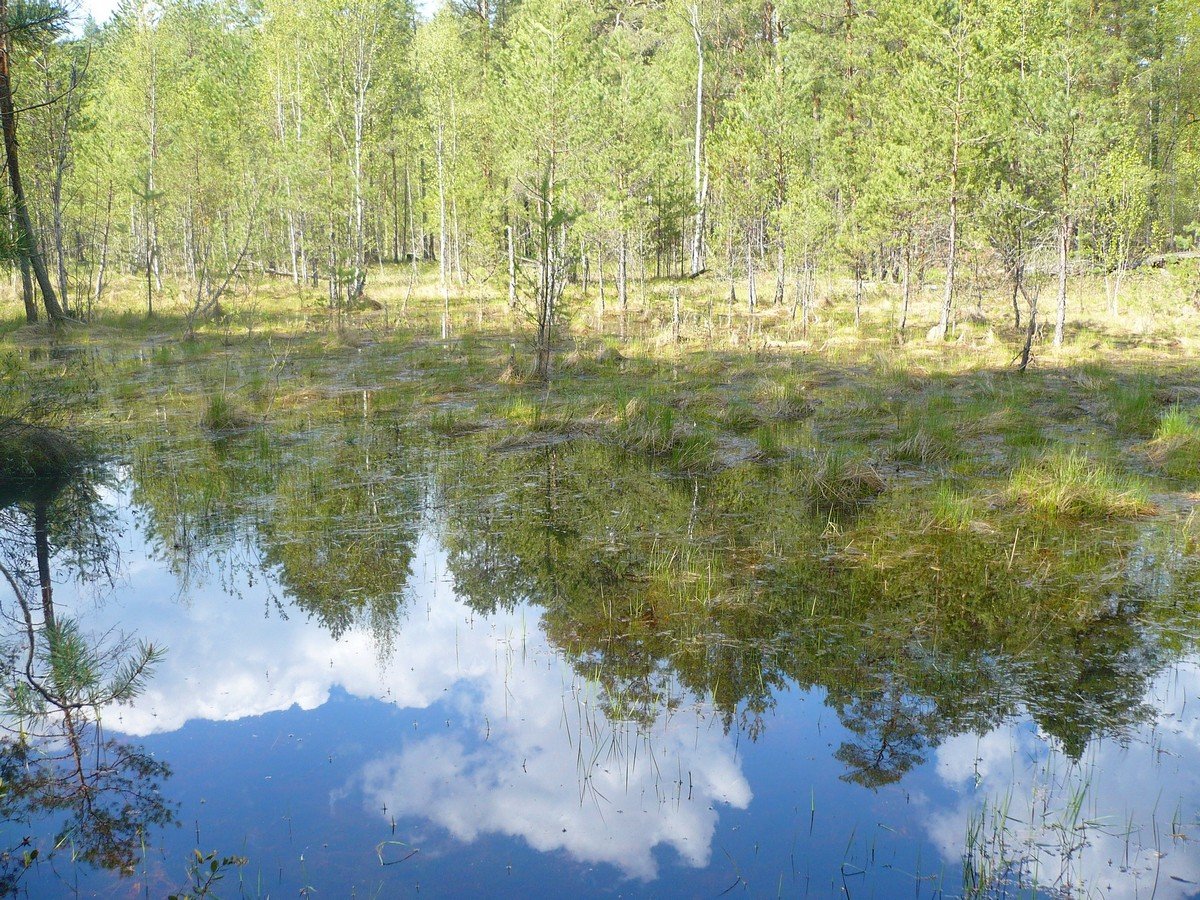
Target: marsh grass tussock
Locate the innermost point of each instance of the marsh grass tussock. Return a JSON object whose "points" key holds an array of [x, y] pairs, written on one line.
{"points": [[835, 480], [784, 399], [221, 414], [1065, 484], [30, 452], [652, 428], [451, 423], [1175, 448], [953, 510], [1132, 406]]}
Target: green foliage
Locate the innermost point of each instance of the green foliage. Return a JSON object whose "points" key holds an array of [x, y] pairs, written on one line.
{"points": [[81, 673], [205, 871], [313, 138]]}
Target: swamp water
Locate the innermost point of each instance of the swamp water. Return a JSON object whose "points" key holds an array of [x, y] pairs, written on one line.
{"points": [[383, 667]]}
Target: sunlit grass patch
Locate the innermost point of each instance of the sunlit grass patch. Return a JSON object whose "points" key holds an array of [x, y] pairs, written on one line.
{"points": [[1176, 445], [522, 411], [1069, 485], [841, 481], [953, 510]]}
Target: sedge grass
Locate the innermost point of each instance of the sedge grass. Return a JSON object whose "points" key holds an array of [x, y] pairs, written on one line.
{"points": [[1066, 485]]}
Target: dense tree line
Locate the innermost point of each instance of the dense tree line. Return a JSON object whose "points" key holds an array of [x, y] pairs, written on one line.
{"points": [[538, 142]]}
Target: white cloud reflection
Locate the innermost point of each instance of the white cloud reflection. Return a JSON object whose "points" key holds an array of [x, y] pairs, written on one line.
{"points": [[532, 756]]}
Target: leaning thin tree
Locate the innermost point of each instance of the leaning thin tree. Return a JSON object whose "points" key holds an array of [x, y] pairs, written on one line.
{"points": [[27, 245]]}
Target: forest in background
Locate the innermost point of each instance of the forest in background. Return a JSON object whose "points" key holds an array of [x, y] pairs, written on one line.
{"points": [[532, 143]]}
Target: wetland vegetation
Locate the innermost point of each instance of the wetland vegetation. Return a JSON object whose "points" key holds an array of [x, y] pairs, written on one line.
{"points": [[931, 545], [553, 447]]}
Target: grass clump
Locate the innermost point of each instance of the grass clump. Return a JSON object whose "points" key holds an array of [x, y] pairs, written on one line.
{"points": [[222, 415], [770, 446], [1133, 408], [926, 444], [694, 451], [525, 413], [1176, 445], [784, 399], [450, 424], [649, 428], [1068, 485], [841, 482], [37, 452], [929, 433], [952, 510], [739, 418]]}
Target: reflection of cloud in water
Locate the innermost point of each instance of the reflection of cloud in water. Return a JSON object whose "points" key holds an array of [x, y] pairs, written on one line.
{"points": [[1148, 782], [229, 658], [555, 772], [538, 760]]}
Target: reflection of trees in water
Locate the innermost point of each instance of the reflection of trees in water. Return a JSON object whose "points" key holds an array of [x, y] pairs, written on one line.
{"points": [[731, 589], [662, 588], [101, 795], [334, 514]]}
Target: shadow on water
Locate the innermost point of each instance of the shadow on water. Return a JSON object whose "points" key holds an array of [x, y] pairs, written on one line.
{"points": [[100, 796]]}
